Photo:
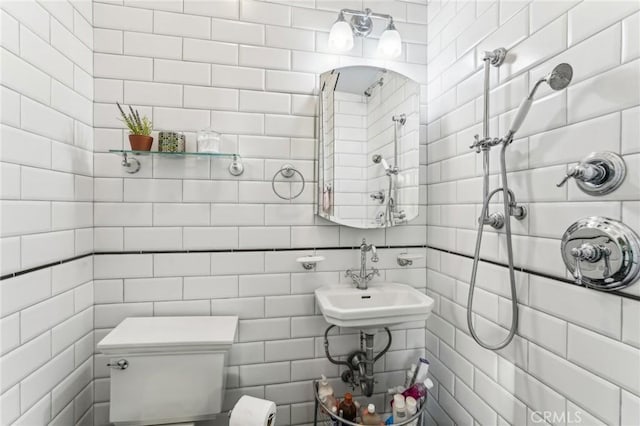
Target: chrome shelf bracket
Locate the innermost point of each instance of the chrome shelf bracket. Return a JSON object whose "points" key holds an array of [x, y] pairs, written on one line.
{"points": [[236, 168], [131, 165]]}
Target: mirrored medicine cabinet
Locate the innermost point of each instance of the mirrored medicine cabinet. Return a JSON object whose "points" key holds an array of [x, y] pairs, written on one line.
{"points": [[367, 156]]}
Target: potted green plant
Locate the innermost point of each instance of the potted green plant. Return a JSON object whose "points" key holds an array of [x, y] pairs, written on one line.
{"points": [[139, 129]]}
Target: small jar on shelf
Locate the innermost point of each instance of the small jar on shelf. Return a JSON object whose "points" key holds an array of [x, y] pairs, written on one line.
{"points": [[171, 141], [208, 140]]}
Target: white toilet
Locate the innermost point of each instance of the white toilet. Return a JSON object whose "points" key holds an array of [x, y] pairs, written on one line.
{"points": [[168, 369]]}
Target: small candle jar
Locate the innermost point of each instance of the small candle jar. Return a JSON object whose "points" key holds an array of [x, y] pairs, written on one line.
{"points": [[171, 141], [208, 141]]}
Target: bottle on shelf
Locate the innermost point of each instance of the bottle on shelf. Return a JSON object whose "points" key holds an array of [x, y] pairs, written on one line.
{"points": [[412, 409], [325, 393], [348, 408], [409, 375], [399, 408], [324, 387], [418, 390], [334, 412], [370, 417]]}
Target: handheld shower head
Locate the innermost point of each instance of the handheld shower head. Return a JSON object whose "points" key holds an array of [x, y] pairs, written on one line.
{"points": [[378, 159], [558, 79]]}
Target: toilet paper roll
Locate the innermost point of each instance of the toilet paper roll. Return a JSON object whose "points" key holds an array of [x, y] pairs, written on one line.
{"points": [[250, 411]]}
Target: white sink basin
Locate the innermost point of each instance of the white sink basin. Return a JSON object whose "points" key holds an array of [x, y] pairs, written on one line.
{"points": [[382, 304]]}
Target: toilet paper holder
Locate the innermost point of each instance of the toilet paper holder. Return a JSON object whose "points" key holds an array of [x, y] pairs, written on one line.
{"points": [[247, 403]]}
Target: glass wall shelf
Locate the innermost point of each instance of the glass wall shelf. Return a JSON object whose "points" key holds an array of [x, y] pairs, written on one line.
{"points": [[132, 165]]}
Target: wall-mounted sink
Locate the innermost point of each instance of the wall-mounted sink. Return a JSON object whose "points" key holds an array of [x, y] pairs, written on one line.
{"points": [[382, 304]]}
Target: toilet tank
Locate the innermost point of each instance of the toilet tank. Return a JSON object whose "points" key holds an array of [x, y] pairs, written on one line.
{"points": [[168, 369]]}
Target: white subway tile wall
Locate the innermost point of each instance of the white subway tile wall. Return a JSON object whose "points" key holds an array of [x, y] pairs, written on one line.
{"points": [[46, 159], [248, 69], [552, 369]]}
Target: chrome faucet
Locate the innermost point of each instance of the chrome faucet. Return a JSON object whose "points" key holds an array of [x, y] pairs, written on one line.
{"points": [[361, 280]]}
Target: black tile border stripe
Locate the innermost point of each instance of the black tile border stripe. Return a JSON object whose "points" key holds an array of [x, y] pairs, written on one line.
{"points": [[537, 273], [102, 253], [253, 250], [45, 266]]}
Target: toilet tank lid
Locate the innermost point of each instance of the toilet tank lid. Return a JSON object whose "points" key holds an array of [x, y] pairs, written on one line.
{"points": [[170, 334]]}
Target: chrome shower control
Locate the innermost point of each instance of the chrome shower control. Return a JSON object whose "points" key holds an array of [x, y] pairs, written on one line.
{"points": [[601, 253], [495, 220], [598, 174]]}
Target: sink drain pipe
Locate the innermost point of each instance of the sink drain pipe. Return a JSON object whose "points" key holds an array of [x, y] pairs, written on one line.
{"points": [[360, 363]]}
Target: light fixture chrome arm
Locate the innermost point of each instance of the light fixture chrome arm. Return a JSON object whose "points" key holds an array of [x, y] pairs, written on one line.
{"points": [[366, 13]]}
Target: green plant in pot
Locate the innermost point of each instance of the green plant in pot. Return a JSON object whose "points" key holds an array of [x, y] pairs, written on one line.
{"points": [[139, 129]]}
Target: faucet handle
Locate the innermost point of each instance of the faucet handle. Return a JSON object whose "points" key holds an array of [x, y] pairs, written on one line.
{"points": [[585, 172], [373, 273], [577, 274]]}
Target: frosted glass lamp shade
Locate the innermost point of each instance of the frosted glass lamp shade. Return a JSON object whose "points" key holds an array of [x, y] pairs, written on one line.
{"points": [[390, 44], [341, 36]]}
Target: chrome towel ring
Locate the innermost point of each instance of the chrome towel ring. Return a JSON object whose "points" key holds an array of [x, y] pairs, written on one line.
{"points": [[287, 171]]}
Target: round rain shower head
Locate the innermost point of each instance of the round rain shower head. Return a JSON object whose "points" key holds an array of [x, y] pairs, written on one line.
{"points": [[560, 77], [377, 158]]}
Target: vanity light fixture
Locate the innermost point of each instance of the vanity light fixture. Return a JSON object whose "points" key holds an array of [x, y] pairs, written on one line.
{"points": [[341, 35], [361, 25]]}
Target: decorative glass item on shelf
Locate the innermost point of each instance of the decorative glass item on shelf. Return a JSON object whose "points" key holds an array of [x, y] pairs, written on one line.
{"points": [[208, 141], [171, 141], [132, 165]]}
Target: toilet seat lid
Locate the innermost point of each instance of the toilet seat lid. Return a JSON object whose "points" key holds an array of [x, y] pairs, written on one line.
{"points": [[171, 334]]}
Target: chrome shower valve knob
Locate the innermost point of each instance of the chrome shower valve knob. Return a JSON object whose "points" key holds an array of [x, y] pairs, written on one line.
{"points": [[601, 253], [598, 174], [592, 173], [590, 252]]}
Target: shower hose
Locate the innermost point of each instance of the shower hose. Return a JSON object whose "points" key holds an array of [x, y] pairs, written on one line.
{"points": [[508, 202]]}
